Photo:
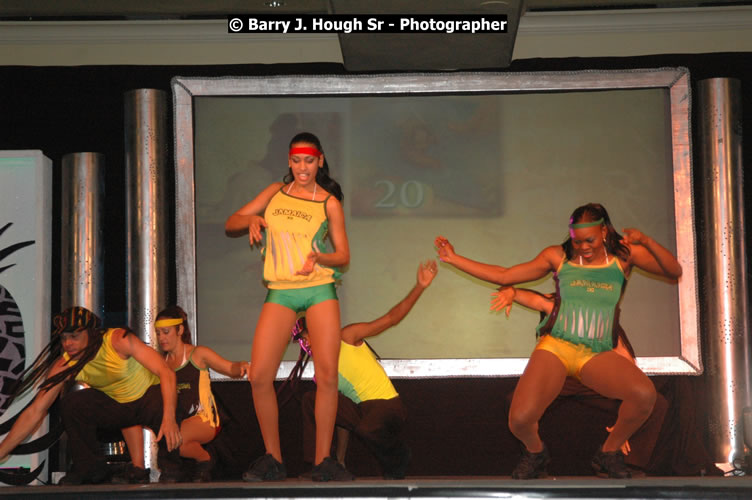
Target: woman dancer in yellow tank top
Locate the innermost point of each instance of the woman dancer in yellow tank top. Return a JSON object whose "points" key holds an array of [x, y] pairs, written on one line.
{"points": [[296, 216]]}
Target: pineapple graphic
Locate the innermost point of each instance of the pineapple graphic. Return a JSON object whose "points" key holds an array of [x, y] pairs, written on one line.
{"points": [[12, 348]]}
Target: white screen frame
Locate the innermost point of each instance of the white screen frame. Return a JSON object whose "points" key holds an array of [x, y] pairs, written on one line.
{"points": [[675, 80]]}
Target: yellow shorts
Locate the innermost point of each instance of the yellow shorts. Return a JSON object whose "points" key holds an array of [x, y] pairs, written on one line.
{"points": [[574, 356]]}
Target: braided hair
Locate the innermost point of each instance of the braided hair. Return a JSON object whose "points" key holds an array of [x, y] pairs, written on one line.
{"points": [[591, 213], [73, 319]]}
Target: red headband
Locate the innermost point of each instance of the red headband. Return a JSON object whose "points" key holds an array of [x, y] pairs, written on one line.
{"points": [[305, 151]]}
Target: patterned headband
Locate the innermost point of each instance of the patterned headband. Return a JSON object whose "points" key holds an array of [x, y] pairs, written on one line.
{"points": [[74, 319]]}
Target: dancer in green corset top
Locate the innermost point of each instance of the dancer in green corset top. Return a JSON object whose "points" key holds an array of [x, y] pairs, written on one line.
{"points": [[578, 336]]}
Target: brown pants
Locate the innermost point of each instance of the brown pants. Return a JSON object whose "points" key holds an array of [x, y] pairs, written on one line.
{"points": [[378, 423]]}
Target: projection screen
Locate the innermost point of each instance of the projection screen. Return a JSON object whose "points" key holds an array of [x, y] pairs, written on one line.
{"points": [[496, 162]]}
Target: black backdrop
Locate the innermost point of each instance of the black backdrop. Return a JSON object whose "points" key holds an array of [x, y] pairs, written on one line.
{"points": [[62, 110]]}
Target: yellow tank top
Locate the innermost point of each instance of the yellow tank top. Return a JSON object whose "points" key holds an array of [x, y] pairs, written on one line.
{"points": [[295, 227], [361, 376], [124, 380]]}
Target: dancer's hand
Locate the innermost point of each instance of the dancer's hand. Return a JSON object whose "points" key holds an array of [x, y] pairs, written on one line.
{"points": [[444, 249], [245, 368], [171, 432], [503, 299], [426, 272], [309, 264], [255, 225], [633, 236]]}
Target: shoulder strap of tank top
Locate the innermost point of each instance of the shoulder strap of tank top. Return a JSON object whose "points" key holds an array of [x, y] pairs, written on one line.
{"points": [[190, 356], [561, 264]]}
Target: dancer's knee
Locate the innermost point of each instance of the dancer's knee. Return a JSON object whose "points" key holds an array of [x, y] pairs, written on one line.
{"points": [[521, 421], [260, 380], [326, 381], [643, 397]]}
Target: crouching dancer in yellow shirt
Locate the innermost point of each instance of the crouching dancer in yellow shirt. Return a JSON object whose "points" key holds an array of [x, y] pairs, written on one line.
{"points": [[369, 406], [129, 384]]}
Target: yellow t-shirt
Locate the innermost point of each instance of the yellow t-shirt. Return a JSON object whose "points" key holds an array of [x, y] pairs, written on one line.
{"points": [[295, 228], [124, 380], [361, 376]]}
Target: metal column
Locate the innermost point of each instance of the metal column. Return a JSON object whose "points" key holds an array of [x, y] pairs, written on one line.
{"points": [[146, 217], [81, 241], [82, 246], [726, 312]]}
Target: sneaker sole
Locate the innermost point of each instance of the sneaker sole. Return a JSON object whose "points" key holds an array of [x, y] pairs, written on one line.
{"points": [[599, 471], [331, 479], [256, 479], [325, 478]]}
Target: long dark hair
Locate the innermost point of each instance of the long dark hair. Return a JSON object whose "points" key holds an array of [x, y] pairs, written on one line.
{"points": [[176, 312], [96, 336], [322, 176], [71, 320], [591, 213]]}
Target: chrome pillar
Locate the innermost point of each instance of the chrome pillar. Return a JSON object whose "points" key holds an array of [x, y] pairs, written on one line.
{"points": [[82, 246], [725, 313], [146, 217], [81, 242]]}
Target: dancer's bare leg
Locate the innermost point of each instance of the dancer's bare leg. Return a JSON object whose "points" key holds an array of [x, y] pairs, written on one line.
{"points": [[269, 341]]}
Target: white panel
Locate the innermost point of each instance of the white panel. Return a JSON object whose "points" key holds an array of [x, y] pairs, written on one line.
{"points": [[26, 201]]}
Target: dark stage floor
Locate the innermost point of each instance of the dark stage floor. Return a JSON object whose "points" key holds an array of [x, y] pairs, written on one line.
{"points": [[413, 487]]}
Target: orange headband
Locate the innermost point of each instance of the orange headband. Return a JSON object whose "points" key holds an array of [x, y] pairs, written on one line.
{"points": [[305, 151]]}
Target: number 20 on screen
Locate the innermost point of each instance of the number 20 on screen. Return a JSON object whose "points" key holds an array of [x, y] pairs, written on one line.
{"points": [[408, 194]]}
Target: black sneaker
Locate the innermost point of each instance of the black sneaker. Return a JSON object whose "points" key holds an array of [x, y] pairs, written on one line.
{"points": [[636, 472], [98, 474], [170, 477], [610, 464], [265, 468], [331, 470], [398, 469], [202, 472], [171, 473], [532, 465], [132, 475], [70, 479]]}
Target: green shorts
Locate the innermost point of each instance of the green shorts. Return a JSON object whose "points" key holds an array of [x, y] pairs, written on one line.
{"points": [[300, 299]]}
